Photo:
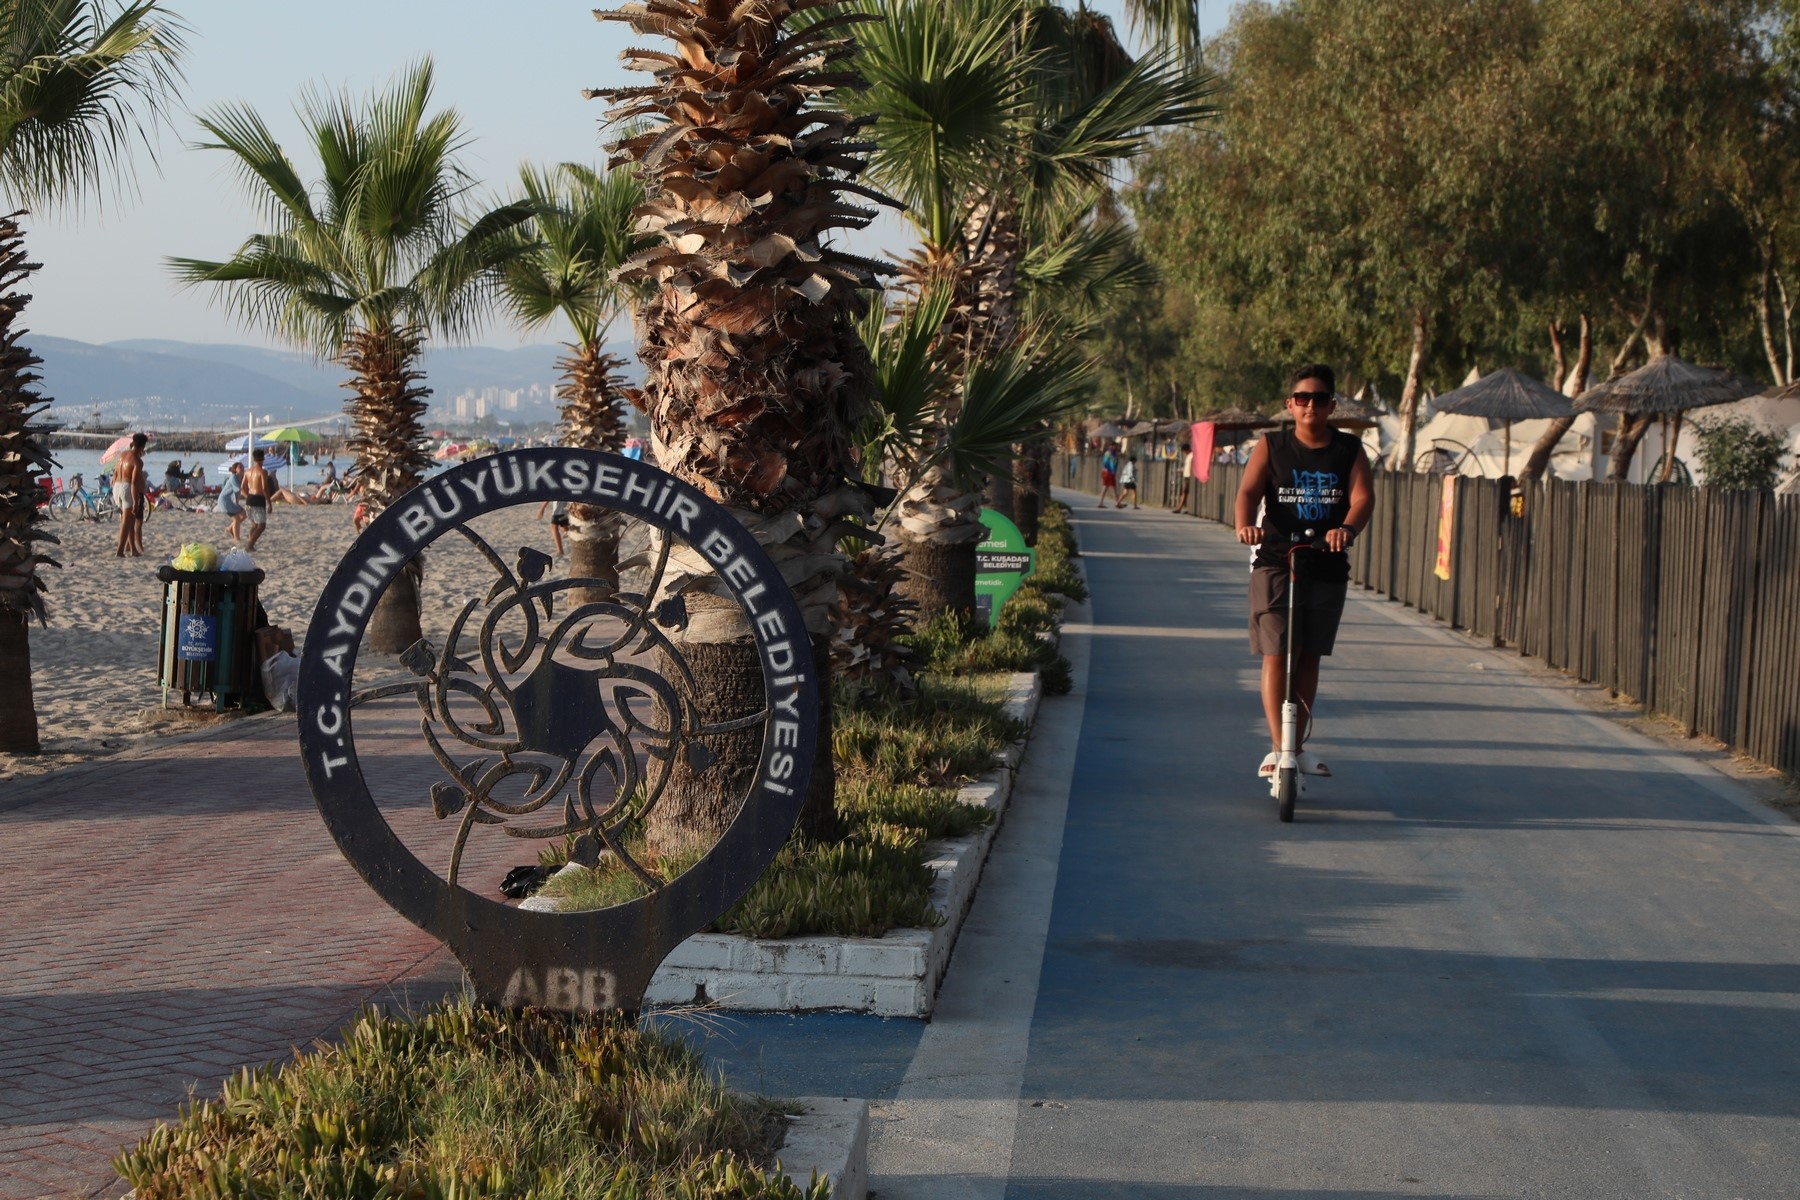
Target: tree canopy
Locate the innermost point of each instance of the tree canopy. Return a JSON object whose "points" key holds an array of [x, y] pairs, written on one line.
{"points": [[1398, 186]]}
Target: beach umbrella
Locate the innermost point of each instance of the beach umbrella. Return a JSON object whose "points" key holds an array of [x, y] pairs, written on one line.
{"points": [[287, 435], [1664, 386], [263, 442], [119, 447], [1667, 386], [1506, 395], [1238, 418]]}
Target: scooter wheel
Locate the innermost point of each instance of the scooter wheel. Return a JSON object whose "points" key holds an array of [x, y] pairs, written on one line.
{"points": [[1287, 790]]}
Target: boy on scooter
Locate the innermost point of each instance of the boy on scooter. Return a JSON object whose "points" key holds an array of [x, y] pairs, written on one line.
{"points": [[1309, 477]]}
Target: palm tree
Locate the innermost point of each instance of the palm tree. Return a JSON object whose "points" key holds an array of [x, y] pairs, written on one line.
{"points": [[79, 83], [755, 379], [1001, 124], [582, 231], [361, 264]]}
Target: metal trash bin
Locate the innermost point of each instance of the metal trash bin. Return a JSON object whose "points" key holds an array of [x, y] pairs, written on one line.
{"points": [[208, 641]]}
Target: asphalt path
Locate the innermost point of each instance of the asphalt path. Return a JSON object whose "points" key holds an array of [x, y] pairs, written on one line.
{"points": [[1511, 949]]}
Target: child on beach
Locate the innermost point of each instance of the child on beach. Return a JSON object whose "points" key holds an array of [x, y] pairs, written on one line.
{"points": [[231, 501]]}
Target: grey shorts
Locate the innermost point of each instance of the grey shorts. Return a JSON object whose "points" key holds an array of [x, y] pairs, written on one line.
{"points": [[1320, 608]]}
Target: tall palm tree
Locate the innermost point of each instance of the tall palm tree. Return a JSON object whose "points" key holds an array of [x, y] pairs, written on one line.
{"points": [[1001, 124], [361, 264], [80, 82], [584, 227], [755, 379]]}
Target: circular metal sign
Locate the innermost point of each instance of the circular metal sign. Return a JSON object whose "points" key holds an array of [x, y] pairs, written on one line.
{"points": [[560, 709]]}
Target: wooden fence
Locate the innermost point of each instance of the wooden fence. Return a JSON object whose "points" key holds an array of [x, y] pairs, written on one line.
{"points": [[1686, 601]]}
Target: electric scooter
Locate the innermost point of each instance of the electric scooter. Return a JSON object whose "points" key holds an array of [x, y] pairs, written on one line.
{"points": [[1287, 784]]}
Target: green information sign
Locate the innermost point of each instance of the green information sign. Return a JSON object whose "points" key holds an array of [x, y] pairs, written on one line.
{"points": [[1002, 561]]}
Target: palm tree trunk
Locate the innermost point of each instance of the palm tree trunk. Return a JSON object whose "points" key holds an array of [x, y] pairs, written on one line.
{"points": [[940, 577], [23, 464], [696, 807], [18, 714], [592, 420], [940, 527], [389, 446]]}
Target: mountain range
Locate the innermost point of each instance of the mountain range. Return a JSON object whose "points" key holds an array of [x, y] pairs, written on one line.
{"points": [[213, 385]]}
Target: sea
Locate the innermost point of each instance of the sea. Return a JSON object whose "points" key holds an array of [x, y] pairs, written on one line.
{"points": [[86, 463]]}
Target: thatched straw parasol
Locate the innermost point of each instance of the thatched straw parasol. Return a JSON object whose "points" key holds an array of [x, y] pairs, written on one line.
{"points": [[1506, 395], [1664, 386], [1238, 418]]}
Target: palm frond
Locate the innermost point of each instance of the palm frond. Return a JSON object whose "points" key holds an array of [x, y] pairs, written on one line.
{"points": [[583, 228], [948, 84], [78, 90], [1009, 397], [1080, 148], [912, 385], [1078, 272], [382, 238]]}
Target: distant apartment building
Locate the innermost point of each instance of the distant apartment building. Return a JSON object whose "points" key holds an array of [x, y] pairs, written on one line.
{"points": [[506, 404]]}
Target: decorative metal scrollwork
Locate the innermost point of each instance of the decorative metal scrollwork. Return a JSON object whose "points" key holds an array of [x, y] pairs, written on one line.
{"points": [[558, 709]]}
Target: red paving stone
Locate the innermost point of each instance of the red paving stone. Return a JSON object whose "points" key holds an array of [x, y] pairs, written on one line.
{"points": [[172, 915]]}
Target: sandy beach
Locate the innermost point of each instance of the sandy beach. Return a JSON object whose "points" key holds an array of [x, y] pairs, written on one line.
{"points": [[94, 669]]}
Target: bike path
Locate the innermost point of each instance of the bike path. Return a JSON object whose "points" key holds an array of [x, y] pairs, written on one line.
{"points": [[1511, 949]]}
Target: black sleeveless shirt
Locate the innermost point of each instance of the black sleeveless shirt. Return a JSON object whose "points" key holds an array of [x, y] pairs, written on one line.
{"points": [[1308, 489]]}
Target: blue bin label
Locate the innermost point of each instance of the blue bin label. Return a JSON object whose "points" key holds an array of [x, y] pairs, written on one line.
{"points": [[199, 638]]}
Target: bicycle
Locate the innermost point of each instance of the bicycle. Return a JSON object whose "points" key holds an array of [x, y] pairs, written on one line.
{"points": [[83, 504], [1287, 784]]}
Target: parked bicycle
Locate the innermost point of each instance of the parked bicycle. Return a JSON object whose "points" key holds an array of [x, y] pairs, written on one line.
{"points": [[75, 500]]}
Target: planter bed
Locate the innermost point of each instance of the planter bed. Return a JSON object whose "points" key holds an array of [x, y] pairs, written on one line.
{"points": [[895, 975]]}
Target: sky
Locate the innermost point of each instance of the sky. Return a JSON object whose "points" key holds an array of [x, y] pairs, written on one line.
{"points": [[514, 73]]}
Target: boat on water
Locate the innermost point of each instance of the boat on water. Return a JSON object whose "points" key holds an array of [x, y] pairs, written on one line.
{"points": [[95, 423]]}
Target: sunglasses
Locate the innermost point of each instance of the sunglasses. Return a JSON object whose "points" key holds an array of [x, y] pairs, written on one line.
{"points": [[1312, 397]]}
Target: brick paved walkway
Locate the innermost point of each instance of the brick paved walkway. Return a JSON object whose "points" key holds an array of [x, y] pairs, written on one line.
{"points": [[168, 916]]}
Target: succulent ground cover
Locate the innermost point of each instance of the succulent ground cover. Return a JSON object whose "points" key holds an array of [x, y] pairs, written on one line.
{"points": [[472, 1103]]}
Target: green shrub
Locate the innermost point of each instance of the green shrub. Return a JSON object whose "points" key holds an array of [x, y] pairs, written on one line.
{"points": [[1736, 455], [471, 1103]]}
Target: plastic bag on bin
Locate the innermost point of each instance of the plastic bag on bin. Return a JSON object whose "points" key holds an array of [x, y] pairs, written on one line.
{"points": [[281, 680], [237, 559], [196, 556]]}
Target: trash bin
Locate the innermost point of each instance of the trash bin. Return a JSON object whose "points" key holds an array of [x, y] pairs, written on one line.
{"points": [[208, 642]]}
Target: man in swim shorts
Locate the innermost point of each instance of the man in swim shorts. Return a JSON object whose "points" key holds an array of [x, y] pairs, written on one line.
{"points": [[128, 488], [256, 490]]}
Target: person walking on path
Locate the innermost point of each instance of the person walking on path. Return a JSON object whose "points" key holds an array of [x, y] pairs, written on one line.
{"points": [[1310, 478], [1109, 473], [258, 488], [129, 487], [1128, 481]]}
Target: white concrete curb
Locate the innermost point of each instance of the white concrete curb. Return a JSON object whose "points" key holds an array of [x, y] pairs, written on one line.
{"points": [[895, 975], [831, 1139]]}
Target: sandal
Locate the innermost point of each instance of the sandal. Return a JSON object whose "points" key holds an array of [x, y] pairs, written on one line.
{"points": [[1268, 765], [1312, 766]]}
